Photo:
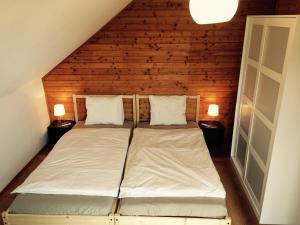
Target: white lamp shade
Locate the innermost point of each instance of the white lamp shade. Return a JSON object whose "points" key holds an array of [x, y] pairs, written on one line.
{"points": [[213, 11], [213, 110], [59, 110]]}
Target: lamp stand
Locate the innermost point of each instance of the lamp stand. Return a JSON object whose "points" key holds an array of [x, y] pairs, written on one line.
{"points": [[59, 121]]}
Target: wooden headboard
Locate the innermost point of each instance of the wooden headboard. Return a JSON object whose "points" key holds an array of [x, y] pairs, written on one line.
{"points": [[128, 102], [143, 108]]}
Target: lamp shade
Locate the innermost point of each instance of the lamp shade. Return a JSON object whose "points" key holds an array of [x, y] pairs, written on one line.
{"points": [[213, 11], [59, 110], [213, 110]]}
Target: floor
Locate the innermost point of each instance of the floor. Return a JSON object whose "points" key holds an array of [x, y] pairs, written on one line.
{"points": [[238, 205]]}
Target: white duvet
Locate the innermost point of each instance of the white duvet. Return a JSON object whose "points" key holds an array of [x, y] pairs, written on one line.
{"points": [[84, 162], [170, 163]]}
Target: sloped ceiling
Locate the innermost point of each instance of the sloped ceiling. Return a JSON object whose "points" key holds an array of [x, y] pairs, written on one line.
{"points": [[35, 35]]}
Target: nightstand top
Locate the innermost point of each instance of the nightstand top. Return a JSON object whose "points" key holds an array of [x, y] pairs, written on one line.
{"points": [[62, 124], [208, 124]]}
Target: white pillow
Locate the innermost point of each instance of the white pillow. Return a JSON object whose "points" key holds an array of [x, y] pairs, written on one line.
{"points": [[104, 110], [168, 110]]}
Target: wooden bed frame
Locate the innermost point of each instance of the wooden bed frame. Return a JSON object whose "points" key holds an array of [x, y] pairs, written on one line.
{"points": [[152, 220], [192, 112], [147, 220], [131, 115], [30, 219], [33, 219]]}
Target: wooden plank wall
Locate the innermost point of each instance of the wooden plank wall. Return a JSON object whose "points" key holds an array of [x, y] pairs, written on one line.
{"points": [[288, 7], [154, 47]]}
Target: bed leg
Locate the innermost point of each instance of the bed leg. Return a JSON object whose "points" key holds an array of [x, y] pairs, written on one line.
{"points": [[227, 221], [117, 219], [4, 218], [111, 219]]}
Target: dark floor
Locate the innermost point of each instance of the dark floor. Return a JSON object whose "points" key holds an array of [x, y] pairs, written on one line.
{"points": [[238, 206]]}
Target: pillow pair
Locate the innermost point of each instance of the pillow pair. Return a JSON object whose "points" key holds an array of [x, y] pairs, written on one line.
{"points": [[165, 110]]}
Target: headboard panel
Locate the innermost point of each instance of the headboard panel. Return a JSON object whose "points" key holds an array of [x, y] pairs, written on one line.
{"points": [[143, 108], [128, 104]]}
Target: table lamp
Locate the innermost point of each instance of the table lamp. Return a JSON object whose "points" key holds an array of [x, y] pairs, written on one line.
{"points": [[59, 111], [213, 110]]}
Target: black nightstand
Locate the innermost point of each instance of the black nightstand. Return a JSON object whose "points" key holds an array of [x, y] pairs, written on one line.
{"points": [[57, 129], [214, 136]]}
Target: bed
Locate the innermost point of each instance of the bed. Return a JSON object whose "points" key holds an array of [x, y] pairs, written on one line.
{"points": [[86, 170], [157, 188]]}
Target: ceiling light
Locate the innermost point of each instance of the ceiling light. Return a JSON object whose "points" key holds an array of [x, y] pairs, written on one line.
{"points": [[213, 11]]}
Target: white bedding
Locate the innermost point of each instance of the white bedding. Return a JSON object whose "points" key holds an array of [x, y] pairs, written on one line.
{"points": [[84, 162], [170, 163]]}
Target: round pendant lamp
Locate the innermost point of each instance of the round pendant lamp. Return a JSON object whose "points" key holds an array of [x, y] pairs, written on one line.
{"points": [[213, 11]]}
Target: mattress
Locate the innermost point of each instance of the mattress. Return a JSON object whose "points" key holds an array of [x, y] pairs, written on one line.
{"points": [[127, 124], [170, 163], [177, 207], [62, 205], [84, 162]]}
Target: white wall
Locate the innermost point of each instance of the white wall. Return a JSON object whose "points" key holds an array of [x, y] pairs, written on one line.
{"points": [[24, 119], [36, 35]]}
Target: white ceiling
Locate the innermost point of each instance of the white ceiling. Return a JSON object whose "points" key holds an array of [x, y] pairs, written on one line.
{"points": [[36, 35]]}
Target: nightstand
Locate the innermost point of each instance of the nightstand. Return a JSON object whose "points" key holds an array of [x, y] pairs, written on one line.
{"points": [[213, 132], [57, 129]]}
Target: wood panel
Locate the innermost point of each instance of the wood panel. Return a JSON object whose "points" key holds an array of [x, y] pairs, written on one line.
{"points": [[154, 47], [288, 7]]}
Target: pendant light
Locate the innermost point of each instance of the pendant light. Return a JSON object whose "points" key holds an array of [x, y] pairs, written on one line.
{"points": [[213, 11]]}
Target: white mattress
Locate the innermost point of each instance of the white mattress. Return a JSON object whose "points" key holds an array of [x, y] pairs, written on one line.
{"points": [[83, 162], [170, 163]]}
